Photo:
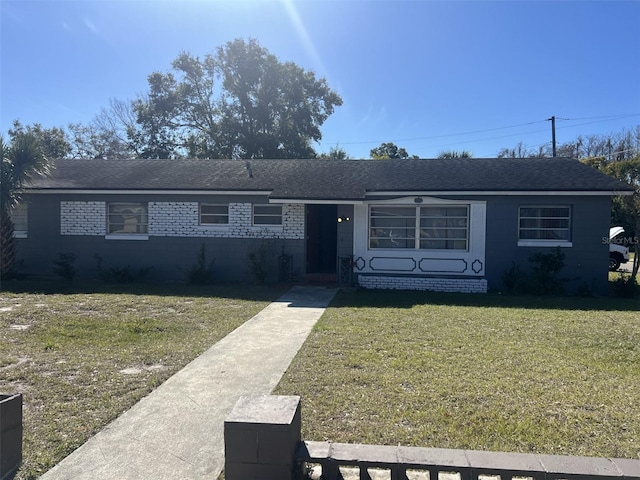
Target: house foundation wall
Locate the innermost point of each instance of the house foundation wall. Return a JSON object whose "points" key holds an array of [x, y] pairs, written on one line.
{"points": [[164, 258], [461, 285]]}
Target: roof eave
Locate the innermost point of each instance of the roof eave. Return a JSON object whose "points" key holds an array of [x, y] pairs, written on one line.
{"points": [[134, 191], [408, 193]]}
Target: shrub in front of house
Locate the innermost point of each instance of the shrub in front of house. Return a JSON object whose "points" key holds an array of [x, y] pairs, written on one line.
{"points": [[201, 272], [542, 280], [64, 266]]}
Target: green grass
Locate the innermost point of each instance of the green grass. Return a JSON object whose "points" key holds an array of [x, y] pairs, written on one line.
{"points": [[83, 357], [486, 372]]}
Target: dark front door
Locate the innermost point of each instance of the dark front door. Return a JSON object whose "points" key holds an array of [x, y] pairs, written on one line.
{"points": [[322, 238]]}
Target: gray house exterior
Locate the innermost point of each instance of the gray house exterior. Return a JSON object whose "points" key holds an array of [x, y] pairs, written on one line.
{"points": [[443, 225]]}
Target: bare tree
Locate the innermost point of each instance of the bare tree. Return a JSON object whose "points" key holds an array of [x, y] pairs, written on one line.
{"points": [[107, 135]]}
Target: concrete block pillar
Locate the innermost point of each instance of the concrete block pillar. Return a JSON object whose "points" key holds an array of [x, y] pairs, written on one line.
{"points": [[10, 434], [260, 438]]}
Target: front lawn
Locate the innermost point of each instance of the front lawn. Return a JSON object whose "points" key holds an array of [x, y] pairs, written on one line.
{"points": [[486, 372], [83, 357]]}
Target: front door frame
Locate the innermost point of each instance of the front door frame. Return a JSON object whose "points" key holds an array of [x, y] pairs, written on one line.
{"points": [[321, 238]]}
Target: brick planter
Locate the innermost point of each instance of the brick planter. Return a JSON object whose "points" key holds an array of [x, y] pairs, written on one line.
{"points": [[10, 434]]}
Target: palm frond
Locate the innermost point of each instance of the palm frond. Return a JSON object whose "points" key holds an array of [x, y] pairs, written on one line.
{"points": [[21, 160]]}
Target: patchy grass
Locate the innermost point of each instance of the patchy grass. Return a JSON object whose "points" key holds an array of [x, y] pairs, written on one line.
{"points": [[486, 372], [83, 357]]}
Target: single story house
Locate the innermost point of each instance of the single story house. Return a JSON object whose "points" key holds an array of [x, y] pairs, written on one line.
{"points": [[443, 224]]}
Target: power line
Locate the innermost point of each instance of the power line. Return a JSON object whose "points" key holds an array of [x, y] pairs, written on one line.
{"points": [[444, 135], [598, 119], [622, 115], [539, 145], [492, 138]]}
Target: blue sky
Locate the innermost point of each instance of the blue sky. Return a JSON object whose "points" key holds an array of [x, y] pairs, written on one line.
{"points": [[427, 75]]}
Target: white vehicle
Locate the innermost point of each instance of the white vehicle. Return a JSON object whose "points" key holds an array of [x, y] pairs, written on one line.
{"points": [[618, 251]]}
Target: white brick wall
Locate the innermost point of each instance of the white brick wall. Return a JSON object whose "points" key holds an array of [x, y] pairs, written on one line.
{"points": [[173, 219], [464, 285], [83, 218], [293, 220], [180, 219]]}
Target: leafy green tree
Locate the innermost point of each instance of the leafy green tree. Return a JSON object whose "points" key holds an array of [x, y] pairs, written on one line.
{"points": [[389, 150], [159, 125], [240, 102], [455, 154], [53, 141], [336, 153], [625, 209], [22, 159], [274, 109]]}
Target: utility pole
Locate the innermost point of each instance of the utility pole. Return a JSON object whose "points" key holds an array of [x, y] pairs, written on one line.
{"points": [[553, 134]]}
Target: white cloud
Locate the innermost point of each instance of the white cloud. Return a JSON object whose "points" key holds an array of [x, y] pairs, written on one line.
{"points": [[91, 26], [95, 30]]}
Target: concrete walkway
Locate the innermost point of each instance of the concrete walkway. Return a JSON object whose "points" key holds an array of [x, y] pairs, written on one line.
{"points": [[176, 432]]}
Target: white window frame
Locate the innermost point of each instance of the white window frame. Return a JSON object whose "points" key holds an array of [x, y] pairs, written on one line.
{"points": [[20, 218], [450, 226], [124, 235], [393, 237], [222, 216], [278, 214], [418, 237], [545, 242]]}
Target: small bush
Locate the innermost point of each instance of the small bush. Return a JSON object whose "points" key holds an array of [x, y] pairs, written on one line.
{"points": [[514, 279], [201, 273], [625, 286], [546, 267], [120, 274], [258, 262], [64, 266], [542, 280]]}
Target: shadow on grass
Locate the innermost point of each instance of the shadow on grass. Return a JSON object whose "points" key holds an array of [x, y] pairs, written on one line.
{"points": [[61, 287], [345, 298], [408, 299]]}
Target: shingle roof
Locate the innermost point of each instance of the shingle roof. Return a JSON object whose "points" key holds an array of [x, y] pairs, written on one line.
{"points": [[331, 179]]}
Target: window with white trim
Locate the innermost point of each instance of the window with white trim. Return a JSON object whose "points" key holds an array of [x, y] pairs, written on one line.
{"points": [[544, 223], [127, 218], [214, 214], [444, 227], [267, 214], [437, 227], [20, 219]]}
